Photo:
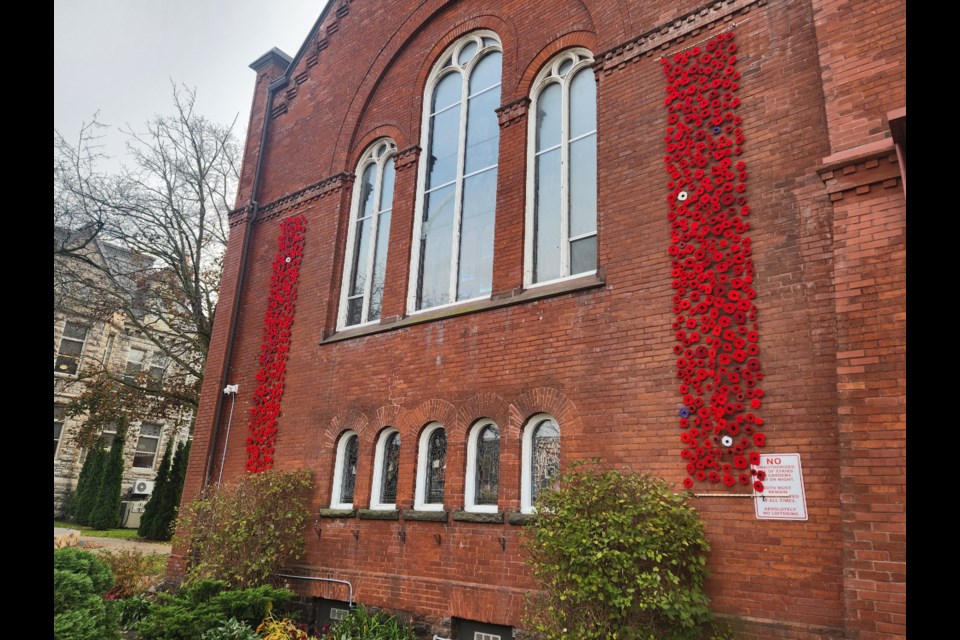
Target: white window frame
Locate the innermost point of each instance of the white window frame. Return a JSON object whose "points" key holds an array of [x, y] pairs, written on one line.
{"points": [[129, 376], [65, 338], [378, 461], [469, 489], [419, 502], [550, 74], [380, 152], [335, 501], [140, 437], [438, 72], [62, 421], [526, 457]]}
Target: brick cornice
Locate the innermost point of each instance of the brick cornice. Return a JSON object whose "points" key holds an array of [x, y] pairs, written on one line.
{"points": [[513, 111], [239, 216], [860, 169], [406, 158], [320, 189], [669, 33]]}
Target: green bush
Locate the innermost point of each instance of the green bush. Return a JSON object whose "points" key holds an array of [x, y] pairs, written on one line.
{"points": [[132, 610], [618, 556], [134, 572], [105, 512], [206, 605], [80, 581], [81, 501], [362, 624], [232, 629], [244, 532]]}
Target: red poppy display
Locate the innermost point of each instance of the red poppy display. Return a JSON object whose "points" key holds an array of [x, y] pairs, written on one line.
{"points": [[707, 243], [275, 347]]}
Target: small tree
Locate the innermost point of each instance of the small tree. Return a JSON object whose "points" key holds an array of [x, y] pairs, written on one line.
{"points": [[158, 498], [88, 485], [246, 531], [618, 556], [105, 513], [161, 511]]}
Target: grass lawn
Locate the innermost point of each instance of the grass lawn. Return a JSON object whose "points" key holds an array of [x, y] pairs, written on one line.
{"points": [[122, 534]]}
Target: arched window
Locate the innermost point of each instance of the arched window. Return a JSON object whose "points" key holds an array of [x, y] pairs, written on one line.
{"points": [[431, 468], [541, 459], [386, 468], [365, 262], [561, 239], [345, 471], [452, 257], [483, 467]]}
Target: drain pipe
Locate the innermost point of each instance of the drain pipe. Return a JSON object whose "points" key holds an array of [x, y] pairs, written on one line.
{"points": [[275, 86], [350, 586]]}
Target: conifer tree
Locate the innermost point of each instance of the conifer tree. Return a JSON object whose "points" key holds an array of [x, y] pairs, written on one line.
{"points": [[152, 511], [106, 509], [88, 485]]}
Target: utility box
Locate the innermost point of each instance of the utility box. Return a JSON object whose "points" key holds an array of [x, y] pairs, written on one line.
{"points": [[130, 513]]}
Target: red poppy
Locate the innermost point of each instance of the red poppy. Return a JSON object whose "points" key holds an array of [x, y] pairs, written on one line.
{"points": [[688, 483], [758, 486], [759, 439]]}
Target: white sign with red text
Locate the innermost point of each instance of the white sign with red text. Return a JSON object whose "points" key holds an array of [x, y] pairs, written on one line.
{"points": [[783, 497]]}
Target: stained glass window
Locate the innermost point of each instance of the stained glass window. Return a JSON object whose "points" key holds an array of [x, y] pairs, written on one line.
{"points": [[546, 457], [391, 466], [348, 476], [436, 466], [487, 475]]}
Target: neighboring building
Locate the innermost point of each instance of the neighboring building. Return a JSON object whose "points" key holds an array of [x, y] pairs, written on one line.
{"points": [[89, 337], [476, 241]]}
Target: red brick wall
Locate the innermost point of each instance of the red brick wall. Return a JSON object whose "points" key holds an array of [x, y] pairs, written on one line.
{"points": [[600, 360]]}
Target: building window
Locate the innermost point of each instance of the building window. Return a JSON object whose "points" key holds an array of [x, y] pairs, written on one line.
{"points": [[147, 446], [71, 348], [452, 258], [369, 232], [135, 360], [431, 468], [562, 180], [345, 471], [158, 369], [483, 468], [541, 459], [386, 467], [107, 435], [59, 415]]}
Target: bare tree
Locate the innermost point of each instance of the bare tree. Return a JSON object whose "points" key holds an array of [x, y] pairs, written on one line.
{"points": [[147, 241]]}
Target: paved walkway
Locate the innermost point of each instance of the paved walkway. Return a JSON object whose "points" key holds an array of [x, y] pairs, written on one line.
{"points": [[92, 543]]}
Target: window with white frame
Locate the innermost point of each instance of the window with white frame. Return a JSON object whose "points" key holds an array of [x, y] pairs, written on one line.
{"points": [[71, 348], [431, 468], [386, 469], [59, 415], [361, 293], [158, 368], [561, 240], [147, 444], [345, 471], [483, 468], [540, 452], [108, 434], [452, 258], [135, 360]]}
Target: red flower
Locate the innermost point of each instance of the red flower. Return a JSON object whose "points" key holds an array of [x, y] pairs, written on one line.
{"points": [[687, 482], [759, 439], [758, 486]]}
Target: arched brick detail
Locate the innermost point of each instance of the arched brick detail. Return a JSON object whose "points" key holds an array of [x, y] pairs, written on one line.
{"points": [[585, 39], [410, 424], [386, 130], [483, 405], [545, 400], [329, 437]]}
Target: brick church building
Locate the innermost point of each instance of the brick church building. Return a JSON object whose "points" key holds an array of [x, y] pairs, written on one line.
{"points": [[477, 241]]}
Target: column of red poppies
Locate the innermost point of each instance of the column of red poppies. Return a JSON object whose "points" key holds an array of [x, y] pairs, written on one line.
{"points": [[275, 347], [712, 268]]}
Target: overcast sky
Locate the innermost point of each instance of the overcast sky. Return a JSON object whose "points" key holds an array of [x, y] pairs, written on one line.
{"points": [[119, 57]]}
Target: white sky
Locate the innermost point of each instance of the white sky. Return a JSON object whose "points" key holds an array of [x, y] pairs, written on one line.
{"points": [[119, 57]]}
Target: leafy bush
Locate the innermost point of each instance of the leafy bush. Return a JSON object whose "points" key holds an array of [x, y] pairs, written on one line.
{"points": [[206, 605], [273, 628], [132, 610], [232, 629], [362, 624], [618, 555], [134, 571], [80, 581], [244, 532]]}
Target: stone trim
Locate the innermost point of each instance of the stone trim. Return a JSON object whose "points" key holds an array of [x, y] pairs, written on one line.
{"points": [[425, 516], [669, 33], [337, 513], [472, 516], [378, 514], [522, 519]]}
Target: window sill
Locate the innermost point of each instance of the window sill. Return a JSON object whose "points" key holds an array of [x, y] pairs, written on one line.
{"points": [[378, 514], [478, 516], [337, 513], [522, 519], [496, 301], [425, 516]]}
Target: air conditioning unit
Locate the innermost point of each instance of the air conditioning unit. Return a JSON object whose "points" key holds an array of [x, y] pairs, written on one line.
{"points": [[143, 487], [130, 513]]}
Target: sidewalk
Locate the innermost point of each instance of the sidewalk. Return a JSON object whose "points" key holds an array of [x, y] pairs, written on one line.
{"points": [[92, 543]]}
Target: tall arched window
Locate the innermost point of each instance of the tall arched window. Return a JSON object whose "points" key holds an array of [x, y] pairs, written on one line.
{"points": [[386, 470], [365, 261], [452, 257], [345, 471], [541, 459], [431, 468], [561, 239], [483, 467]]}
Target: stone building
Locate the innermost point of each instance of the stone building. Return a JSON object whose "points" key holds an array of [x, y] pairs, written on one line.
{"points": [[474, 242]]}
